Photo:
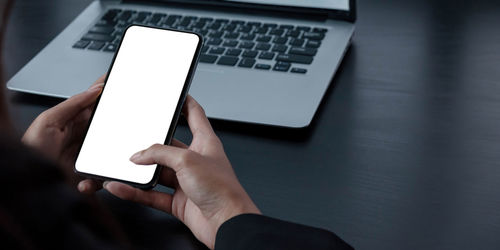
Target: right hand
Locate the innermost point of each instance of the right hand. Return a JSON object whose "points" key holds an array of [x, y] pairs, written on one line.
{"points": [[207, 192]]}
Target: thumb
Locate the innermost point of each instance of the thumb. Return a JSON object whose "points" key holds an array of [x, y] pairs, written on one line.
{"points": [[168, 156], [67, 110]]}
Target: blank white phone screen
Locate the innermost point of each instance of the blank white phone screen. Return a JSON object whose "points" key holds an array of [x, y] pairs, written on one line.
{"points": [[138, 102]]}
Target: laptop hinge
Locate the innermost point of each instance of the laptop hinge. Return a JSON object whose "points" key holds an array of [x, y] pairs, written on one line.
{"points": [[244, 9]]}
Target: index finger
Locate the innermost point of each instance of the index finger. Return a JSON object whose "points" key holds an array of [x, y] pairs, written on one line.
{"points": [[70, 108], [99, 80]]}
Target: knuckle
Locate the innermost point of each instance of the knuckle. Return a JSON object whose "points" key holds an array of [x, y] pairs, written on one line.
{"points": [[44, 116], [156, 146], [185, 158], [154, 149]]}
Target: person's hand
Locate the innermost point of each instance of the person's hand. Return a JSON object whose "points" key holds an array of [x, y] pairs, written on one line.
{"points": [[58, 132], [207, 192]]}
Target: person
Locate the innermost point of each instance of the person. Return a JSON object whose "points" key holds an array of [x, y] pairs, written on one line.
{"points": [[41, 207]]}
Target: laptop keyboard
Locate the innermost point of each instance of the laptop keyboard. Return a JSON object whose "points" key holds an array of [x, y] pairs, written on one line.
{"points": [[227, 42]]}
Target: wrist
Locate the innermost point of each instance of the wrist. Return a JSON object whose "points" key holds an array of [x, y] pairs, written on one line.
{"points": [[237, 203]]}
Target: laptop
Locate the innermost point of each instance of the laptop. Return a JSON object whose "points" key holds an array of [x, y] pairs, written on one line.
{"points": [[264, 62]]}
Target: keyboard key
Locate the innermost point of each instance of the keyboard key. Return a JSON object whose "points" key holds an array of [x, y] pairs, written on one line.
{"points": [[276, 32], [206, 19], [122, 25], [250, 53], [238, 22], [270, 25], [293, 33], [256, 24], [294, 58], [199, 25], [125, 16], [229, 27], [263, 46], [221, 20], [102, 29], [286, 26], [214, 41], [298, 70], [233, 52], [264, 39], [170, 20], [282, 66], [184, 22], [296, 42], [246, 45], [96, 45], [97, 37], [217, 50], [202, 32], [230, 43], [156, 18], [204, 58], [111, 14], [176, 16], [216, 34], [228, 60], [205, 48], [266, 55], [244, 29], [313, 44], [313, 35], [247, 62], [82, 44], [280, 40], [141, 16], [105, 23], [303, 28], [214, 26], [263, 66], [110, 48], [248, 37], [232, 35], [280, 48], [320, 30], [261, 30], [303, 51]]}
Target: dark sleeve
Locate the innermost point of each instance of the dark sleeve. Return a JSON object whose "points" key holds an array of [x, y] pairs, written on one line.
{"points": [[38, 210], [252, 231]]}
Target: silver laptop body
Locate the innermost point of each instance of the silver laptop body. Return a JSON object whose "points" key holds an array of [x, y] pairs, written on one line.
{"points": [[279, 94]]}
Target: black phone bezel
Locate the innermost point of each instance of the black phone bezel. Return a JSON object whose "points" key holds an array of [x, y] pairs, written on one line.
{"points": [[175, 119]]}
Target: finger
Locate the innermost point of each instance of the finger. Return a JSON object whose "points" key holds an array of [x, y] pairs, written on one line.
{"points": [[89, 186], [196, 118], [68, 109], [151, 198], [179, 144], [99, 80], [169, 156]]}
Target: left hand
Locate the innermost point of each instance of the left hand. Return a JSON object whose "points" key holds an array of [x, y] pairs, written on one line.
{"points": [[58, 132]]}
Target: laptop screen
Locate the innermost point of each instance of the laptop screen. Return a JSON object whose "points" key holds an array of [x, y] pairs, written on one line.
{"points": [[317, 4]]}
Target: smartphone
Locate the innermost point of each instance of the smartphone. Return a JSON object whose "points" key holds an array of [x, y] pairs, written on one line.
{"points": [[140, 104]]}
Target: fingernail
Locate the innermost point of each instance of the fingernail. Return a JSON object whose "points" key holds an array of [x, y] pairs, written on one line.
{"points": [[82, 187], [104, 184], [136, 156], [96, 87]]}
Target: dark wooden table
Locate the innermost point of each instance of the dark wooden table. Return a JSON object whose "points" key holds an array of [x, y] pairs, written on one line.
{"points": [[404, 151]]}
